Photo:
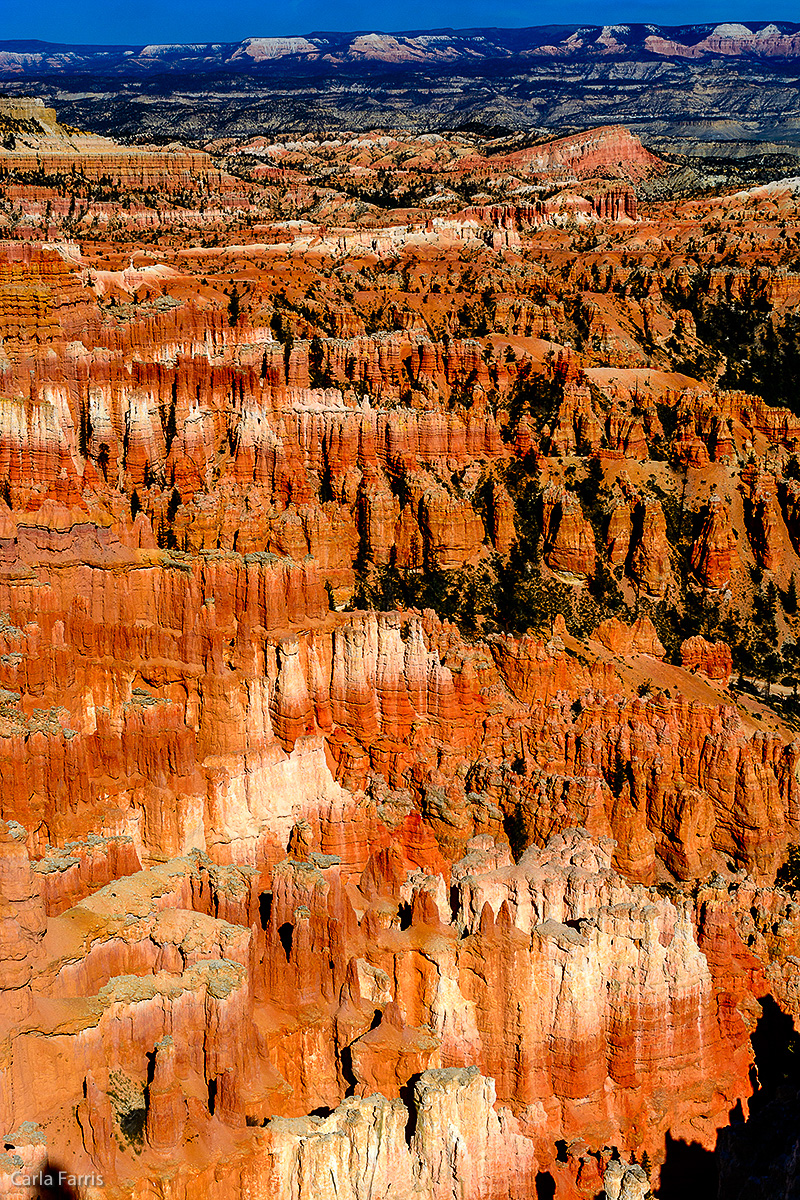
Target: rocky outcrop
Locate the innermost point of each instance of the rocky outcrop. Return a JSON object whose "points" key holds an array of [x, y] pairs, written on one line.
{"points": [[23, 922], [619, 528], [623, 1181], [767, 533], [452, 531], [622, 640], [648, 560], [611, 150], [568, 536], [714, 549], [360, 832], [503, 529], [41, 145], [199, 995], [460, 1146], [712, 658], [319, 713]]}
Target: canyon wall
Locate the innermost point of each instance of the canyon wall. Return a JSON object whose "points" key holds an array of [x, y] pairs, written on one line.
{"points": [[398, 678]]}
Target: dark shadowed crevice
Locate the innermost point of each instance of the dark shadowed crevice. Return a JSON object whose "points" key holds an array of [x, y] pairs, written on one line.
{"points": [[285, 933], [346, 1064], [545, 1186], [407, 1096], [58, 1182], [689, 1172]]}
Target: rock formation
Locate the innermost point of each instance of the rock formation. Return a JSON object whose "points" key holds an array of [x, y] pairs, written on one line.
{"points": [[378, 813], [712, 658]]}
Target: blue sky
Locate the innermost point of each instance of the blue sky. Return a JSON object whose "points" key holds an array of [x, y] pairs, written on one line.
{"points": [[135, 21]]}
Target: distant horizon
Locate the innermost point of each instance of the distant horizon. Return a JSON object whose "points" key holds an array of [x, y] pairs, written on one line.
{"points": [[406, 31], [199, 22]]}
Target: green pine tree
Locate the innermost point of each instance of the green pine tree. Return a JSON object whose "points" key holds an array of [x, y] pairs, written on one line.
{"points": [[234, 307]]}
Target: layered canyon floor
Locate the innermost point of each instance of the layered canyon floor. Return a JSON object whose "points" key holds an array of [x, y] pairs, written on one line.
{"points": [[399, 552]]}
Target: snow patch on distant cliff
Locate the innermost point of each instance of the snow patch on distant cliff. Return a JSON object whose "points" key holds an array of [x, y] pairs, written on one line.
{"points": [[732, 31], [262, 49]]}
